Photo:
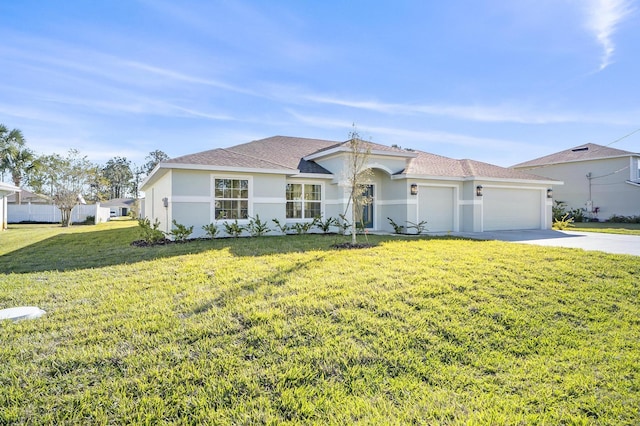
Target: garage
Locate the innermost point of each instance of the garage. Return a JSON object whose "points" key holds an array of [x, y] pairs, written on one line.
{"points": [[511, 208], [436, 206]]}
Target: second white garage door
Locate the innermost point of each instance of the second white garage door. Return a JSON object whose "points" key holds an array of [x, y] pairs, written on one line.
{"points": [[436, 205], [509, 209]]}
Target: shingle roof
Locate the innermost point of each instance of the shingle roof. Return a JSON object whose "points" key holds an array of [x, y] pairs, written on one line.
{"points": [[283, 152], [277, 152], [590, 151], [436, 165]]}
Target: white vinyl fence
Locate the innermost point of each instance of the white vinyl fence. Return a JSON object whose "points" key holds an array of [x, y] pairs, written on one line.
{"points": [[17, 213]]}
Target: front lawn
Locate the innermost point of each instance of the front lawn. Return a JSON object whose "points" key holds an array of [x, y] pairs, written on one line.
{"points": [[287, 330]]}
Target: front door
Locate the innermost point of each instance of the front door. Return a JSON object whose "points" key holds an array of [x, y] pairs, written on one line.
{"points": [[367, 210]]}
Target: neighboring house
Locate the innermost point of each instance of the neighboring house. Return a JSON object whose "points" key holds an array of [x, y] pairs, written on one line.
{"points": [[601, 180], [27, 197], [5, 191], [296, 179], [119, 206]]}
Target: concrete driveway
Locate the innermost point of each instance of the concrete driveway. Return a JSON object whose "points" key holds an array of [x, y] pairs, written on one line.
{"points": [[609, 243]]}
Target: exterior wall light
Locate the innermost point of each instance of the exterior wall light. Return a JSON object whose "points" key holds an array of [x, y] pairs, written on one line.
{"points": [[479, 190], [549, 193], [414, 189]]}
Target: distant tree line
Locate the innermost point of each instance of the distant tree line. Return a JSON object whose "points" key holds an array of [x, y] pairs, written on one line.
{"points": [[70, 178]]}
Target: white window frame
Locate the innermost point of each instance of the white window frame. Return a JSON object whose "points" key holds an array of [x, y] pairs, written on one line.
{"points": [[249, 199], [302, 200]]}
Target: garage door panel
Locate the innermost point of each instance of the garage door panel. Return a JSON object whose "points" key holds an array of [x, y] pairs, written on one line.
{"points": [[435, 205], [511, 209]]}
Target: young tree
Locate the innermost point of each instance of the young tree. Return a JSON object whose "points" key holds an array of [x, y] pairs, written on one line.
{"points": [[67, 179], [358, 176]]}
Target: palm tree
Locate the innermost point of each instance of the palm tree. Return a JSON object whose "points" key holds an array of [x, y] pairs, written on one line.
{"points": [[15, 157], [9, 140]]}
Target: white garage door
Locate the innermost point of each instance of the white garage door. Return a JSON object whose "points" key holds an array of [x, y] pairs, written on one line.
{"points": [[435, 205], [507, 209]]}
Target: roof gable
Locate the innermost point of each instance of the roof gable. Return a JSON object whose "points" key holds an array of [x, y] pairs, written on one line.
{"points": [[590, 151]]}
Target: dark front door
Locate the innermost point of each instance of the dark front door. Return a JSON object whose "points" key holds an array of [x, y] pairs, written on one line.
{"points": [[367, 210]]}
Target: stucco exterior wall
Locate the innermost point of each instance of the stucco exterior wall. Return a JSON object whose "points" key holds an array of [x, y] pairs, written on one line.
{"points": [[607, 187]]}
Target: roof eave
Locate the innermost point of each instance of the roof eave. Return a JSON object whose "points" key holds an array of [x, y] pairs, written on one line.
{"points": [[554, 163]]}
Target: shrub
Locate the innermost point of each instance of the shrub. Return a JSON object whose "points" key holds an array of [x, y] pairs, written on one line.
{"points": [[420, 227], [256, 227], [303, 227], [398, 229], [624, 219], [211, 230], [283, 228], [180, 232], [150, 233], [343, 224], [565, 222], [558, 209], [325, 225], [233, 228]]}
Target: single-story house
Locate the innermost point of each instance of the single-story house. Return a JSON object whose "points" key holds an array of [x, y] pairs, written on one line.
{"points": [[603, 181], [119, 206], [294, 179], [5, 190], [27, 197]]}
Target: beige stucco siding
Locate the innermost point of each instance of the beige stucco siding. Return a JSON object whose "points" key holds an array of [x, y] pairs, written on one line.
{"points": [[607, 188], [154, 205], [191, 183]]}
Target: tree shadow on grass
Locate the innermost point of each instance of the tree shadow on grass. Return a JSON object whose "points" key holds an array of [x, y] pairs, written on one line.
{"points": [[101, 248]]}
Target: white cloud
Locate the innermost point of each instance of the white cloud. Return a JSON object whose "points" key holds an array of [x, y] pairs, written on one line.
{"points": [[503, 113], [603, 17]]}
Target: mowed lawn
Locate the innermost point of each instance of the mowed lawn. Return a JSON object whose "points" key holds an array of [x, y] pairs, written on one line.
{"points": [[287, 330]]}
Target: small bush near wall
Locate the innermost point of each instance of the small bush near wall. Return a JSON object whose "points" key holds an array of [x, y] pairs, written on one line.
{"points": [[624, 219]]}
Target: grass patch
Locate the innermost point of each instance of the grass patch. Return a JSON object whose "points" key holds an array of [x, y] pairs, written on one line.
{"points": [[286, 330], [608, 227]]}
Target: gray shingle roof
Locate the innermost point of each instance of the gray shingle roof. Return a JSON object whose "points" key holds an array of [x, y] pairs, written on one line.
{"points": [[590, 151], [436, 165], [283, 152], [277, 152]]}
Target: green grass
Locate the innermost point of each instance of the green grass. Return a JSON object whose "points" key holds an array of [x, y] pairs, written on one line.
{"points": [[286, 330], [607, 227]]}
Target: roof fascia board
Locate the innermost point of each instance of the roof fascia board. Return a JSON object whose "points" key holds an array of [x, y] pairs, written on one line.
{"points": [[344, 149]]}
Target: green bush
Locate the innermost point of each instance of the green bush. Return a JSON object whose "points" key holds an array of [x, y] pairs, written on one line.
{"points": [[325, 225], [282, 227], [211, 230], [624, 219], [234, 229], [256, 227], [180, 232], [150, 233], [420, 227], [398, 229], [303, 227]]}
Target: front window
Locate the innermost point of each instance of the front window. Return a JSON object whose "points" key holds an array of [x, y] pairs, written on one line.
{"points": [[232, 198], [304, 201]]}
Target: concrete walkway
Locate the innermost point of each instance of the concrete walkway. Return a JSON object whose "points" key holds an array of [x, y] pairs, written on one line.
{"points": [[609, 243]]}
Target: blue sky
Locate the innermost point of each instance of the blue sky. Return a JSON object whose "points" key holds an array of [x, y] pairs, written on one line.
{"points": [[495, 81]]}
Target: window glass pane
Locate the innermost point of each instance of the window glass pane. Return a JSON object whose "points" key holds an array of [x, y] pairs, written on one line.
{"points": [[312, 192], [294, 191], [312, 209], [294, 210]]}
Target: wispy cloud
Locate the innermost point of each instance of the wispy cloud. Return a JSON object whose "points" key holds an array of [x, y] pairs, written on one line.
{"points": [[603, 17], [503, 113]]}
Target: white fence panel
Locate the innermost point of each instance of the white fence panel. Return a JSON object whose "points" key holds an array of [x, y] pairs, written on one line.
{"points": [[17, 213]]}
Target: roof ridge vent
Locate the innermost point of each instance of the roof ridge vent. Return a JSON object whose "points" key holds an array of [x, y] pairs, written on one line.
{"points": [[580, 149]]}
